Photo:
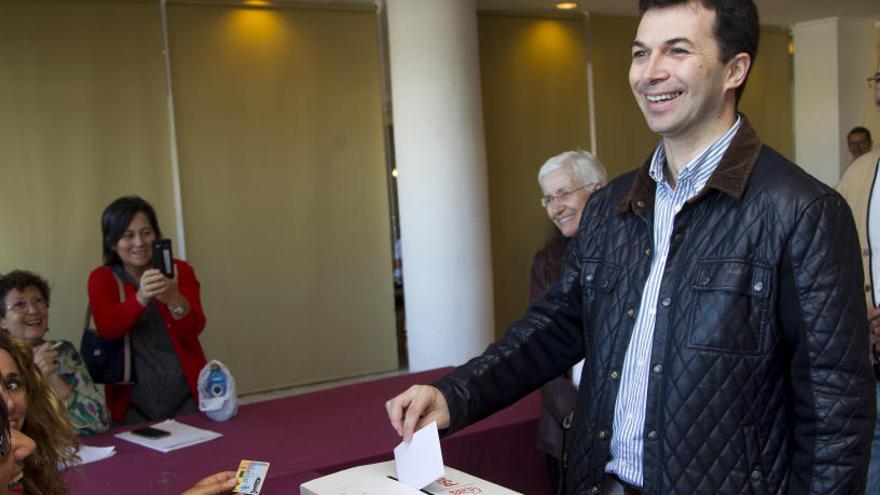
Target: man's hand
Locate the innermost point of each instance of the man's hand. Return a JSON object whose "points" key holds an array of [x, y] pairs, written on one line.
{"points": [[874, 324], [415, 408]]}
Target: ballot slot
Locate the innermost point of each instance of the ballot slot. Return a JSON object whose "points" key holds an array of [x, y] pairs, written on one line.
{"points": [[397, 480]]}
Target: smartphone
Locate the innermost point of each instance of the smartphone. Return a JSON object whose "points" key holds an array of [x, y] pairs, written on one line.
{"points": [[150, 432], [62, 363], [162, 259]]}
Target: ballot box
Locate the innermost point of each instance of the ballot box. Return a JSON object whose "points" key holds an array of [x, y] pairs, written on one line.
{"points": [[378, 479]]}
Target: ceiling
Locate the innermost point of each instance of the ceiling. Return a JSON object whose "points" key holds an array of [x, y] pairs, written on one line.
{"points": [[774, 12]]}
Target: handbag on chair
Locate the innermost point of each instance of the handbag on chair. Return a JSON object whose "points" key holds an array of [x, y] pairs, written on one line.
{"points": [[109, 361]]}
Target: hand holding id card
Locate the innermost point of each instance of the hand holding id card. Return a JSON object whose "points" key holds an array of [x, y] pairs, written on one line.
{"points": [[250, 477]]}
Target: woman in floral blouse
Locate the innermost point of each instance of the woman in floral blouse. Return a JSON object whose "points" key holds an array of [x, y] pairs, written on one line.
{"points": [[24, 314]]}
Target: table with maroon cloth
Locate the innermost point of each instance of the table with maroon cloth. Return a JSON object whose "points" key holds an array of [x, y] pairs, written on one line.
{"points": [[310, 435]]}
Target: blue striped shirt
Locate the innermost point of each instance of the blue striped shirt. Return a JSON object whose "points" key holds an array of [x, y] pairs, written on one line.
{"points": [[627, 441]]}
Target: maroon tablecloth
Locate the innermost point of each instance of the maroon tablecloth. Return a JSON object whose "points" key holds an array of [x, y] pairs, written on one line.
{"points": [[314, 434]]}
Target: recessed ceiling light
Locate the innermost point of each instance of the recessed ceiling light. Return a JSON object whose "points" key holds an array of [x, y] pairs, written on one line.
{"points": [[566, 5]]}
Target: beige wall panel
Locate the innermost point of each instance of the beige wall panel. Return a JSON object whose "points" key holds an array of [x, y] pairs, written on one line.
{"points": [[624, 140], [284, 187], [83, 121], [767, 97], [534, 84]]}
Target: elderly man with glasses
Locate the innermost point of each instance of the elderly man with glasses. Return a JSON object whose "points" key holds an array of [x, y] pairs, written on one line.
{"points": [[567, 180]]}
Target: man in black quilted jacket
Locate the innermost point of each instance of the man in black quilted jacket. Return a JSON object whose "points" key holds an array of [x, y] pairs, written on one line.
{"points": [[714, 293]]}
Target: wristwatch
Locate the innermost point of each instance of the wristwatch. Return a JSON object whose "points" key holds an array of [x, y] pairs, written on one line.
{"points": [[178, 310]]}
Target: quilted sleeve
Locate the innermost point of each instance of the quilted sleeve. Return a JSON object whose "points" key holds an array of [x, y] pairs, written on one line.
{"points": [[823, 320], [535, 349]]}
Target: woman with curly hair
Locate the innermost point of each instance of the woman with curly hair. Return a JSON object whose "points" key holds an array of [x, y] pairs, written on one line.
{"points": [[15, 446], [36, 411]]}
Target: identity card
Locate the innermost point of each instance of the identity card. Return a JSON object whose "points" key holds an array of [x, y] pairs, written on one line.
{"points": [[250, 477]]}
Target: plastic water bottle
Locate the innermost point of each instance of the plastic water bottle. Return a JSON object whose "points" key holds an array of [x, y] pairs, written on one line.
{"points": [[216, 386]]}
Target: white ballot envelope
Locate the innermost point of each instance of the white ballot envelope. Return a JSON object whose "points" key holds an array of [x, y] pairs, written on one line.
{"points": [[420, 461], [378, 479]]}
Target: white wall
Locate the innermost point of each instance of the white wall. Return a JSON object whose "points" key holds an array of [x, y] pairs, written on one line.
{"points": [[442, 182], [831, 61]]}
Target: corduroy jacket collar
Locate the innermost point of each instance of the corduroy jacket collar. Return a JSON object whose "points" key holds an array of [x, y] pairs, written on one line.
{"points": [[731, 176]]}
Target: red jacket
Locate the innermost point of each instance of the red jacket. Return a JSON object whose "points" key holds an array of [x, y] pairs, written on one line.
{"points": [[113, 319]]}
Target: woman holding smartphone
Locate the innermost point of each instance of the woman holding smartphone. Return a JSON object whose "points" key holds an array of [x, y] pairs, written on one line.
{"points": [[163, 315]]}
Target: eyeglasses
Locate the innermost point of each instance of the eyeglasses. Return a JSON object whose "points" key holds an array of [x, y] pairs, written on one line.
{"points": [[874, 80], [21, 306], [550, 198]]}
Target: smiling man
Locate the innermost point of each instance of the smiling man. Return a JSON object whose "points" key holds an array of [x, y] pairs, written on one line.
{"points": [[714, 293]]}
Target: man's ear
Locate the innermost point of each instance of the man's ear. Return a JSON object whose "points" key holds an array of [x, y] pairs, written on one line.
{"points": [[737, 70]]}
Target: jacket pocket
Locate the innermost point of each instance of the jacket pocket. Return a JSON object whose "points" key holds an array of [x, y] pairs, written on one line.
{"points": [[729, 312], [598, 277], [598, 280]]}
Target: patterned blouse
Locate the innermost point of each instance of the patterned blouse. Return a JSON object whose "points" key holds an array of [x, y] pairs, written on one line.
{"points": [[86, 408]]}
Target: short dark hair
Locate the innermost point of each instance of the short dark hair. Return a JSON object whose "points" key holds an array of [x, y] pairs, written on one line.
{"points": [[21, 280], [736, 28], [116, 219], [859, 129]]}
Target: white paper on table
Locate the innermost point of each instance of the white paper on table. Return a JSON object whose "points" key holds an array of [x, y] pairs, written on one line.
{"points": [[182, 435], [88, 454], [420, 462]]}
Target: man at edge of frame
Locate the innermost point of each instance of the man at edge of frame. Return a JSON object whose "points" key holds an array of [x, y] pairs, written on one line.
{"points": [[714, 293]]}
